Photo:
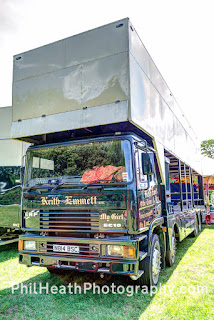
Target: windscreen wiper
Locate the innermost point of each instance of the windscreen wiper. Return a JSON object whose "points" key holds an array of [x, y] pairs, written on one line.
{"points": [[37, 185], [60, 185], [65, 183], [95, 183]]}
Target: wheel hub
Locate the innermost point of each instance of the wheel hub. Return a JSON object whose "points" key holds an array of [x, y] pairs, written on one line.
{"points": [[156, 262], [173, 251]]}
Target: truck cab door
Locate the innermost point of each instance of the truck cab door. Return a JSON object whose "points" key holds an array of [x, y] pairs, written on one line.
{"points": [[149, 206]]}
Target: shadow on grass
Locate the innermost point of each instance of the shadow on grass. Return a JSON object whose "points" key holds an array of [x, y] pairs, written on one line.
{"points": [[8, 251], [128, 305]]}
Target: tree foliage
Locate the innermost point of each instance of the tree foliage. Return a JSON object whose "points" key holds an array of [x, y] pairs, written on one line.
{"points": [[9, 175], [11, 196], [207, 148], [8, 178]]}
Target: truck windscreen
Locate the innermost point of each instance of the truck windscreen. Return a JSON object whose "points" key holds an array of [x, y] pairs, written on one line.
{"points": [[83, 163]]}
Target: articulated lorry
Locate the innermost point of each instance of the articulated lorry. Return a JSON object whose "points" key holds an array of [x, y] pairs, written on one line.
{"points": [[113, 177], [11, 155]]}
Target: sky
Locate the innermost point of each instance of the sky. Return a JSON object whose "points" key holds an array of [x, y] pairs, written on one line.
{"points": [[177, 33]]}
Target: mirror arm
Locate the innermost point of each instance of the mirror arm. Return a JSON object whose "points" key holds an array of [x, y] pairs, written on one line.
{"points": [[148, 182], [22, 170]]}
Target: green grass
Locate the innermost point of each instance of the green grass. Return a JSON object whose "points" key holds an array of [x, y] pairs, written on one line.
{"points": [[9, 216], [194, 267]]}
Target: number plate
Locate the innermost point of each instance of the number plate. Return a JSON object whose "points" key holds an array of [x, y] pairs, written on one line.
{"points": [[65, 248]]}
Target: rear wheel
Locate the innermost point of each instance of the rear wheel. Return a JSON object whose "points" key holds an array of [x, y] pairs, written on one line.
{"points": [[151, 264]]}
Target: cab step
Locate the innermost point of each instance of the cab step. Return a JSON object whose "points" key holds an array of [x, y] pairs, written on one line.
{"points": [[142, 255], [139, 274]]}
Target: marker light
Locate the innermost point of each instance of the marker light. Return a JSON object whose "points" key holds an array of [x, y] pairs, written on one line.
{"points": [[128, 252], [20, 244]]}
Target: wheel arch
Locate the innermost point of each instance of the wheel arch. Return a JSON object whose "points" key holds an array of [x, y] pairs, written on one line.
{"points": [[155, 228], [177, 232]]}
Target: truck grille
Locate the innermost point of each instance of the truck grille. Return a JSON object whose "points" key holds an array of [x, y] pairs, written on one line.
{"points": [[69, 220], [84, 249]]}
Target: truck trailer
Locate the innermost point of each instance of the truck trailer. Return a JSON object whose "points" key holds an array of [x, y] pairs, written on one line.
{"points": [[113, 176], [11, 155]]}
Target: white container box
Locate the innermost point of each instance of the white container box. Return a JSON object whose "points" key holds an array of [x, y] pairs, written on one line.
{"points": [[99, 77], [11, 151]]}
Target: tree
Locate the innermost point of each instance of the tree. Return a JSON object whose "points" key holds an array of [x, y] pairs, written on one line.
{"points": [[9, 175], [207, 148]]}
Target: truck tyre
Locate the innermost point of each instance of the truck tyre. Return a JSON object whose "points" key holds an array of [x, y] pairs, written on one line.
{"points": [[170, 254], [151, 264]]}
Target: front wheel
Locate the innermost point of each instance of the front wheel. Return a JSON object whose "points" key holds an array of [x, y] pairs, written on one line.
{"points": [[151, 264]]}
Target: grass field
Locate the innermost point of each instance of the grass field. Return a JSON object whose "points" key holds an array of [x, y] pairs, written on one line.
{"points": [[186, 291], [9, 216]]}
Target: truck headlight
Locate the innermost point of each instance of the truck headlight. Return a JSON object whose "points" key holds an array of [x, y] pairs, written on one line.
{"points": [[113, 250], [121, 251], [30, 245]]}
